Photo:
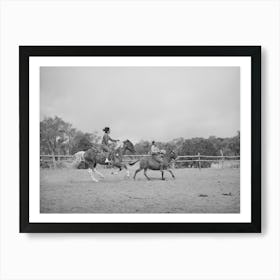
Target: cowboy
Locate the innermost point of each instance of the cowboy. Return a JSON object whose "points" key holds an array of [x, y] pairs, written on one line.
{"points": [[105, 142], [157, 154]]}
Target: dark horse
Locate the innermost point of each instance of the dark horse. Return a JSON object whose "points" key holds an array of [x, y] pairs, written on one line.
{"points": [[95, 156], [150, 163]]}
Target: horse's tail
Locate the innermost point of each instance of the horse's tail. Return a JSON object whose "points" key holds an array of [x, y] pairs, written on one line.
{"points": [[78, 158], [132, 163]]}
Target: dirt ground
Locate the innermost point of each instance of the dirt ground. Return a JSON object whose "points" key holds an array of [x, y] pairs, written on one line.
{"points": [[193, 191]]}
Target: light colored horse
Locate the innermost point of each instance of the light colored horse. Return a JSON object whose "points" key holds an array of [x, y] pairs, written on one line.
{"points": [[96, 156], [79, 156]]}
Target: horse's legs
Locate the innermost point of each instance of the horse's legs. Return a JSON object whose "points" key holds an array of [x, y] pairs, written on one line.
{"points": [[121, 166], [162, 175], [170, 171], [115, 172], [127, 171], [90, 171], [136, 171], [145, 173], [115, 165], [91, 175], [98, 172]]}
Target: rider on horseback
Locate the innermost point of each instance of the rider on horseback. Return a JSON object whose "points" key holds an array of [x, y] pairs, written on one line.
{"points": [[157, 154], [105, 143]]}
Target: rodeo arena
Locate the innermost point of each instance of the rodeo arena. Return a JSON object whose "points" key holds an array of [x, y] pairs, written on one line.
{"points": [[136, 183]]}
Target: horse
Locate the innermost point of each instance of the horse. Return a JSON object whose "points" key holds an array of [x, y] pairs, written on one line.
{"points": [[150, 163], [94, 156], [78, 157]]}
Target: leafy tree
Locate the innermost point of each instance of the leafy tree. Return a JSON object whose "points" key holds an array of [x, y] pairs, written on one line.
{"points": [[53, 134], [197, 145], [143, 147], [84, 141]]}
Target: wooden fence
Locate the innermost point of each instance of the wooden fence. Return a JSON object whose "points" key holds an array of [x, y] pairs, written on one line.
{"points": [[196, 160], [200, 159], [48, 158]]}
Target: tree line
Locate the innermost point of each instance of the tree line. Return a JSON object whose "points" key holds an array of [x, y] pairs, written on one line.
{"points": [[58, 137]]}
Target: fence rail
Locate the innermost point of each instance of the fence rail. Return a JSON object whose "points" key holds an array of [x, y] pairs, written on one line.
{"points": [[57, 157], [179, 160], [196, 156]]}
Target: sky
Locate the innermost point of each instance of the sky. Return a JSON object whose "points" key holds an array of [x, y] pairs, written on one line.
{"points": [[144, 103]]}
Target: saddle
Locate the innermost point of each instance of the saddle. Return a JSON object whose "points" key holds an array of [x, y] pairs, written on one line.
{"points": [[157, 157], [112, 156]]}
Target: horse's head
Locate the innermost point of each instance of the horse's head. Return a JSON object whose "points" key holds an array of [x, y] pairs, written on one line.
{"points": [[127, 145], [172, 154]]}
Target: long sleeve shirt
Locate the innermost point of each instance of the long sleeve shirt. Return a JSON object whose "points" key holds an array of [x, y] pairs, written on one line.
{"points": [[154, 149], [106, 138]]}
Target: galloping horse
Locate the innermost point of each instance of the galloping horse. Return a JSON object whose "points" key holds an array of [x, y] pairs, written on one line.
{"points": [[95, 156], [78, 157], [150, 163]]}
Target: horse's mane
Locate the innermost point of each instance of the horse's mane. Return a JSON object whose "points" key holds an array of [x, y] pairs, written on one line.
{"points": [[118, 145], [169, 152]]}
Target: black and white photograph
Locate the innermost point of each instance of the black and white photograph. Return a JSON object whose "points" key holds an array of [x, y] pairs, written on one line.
{"points": [[140, 139]]}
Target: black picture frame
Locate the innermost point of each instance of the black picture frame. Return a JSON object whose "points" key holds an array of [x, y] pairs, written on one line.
{"points": [[25, 52]]}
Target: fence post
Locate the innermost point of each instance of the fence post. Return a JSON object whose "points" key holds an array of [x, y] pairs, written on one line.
{"points": [[199, 162], [53, 160], [223, 158]]}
